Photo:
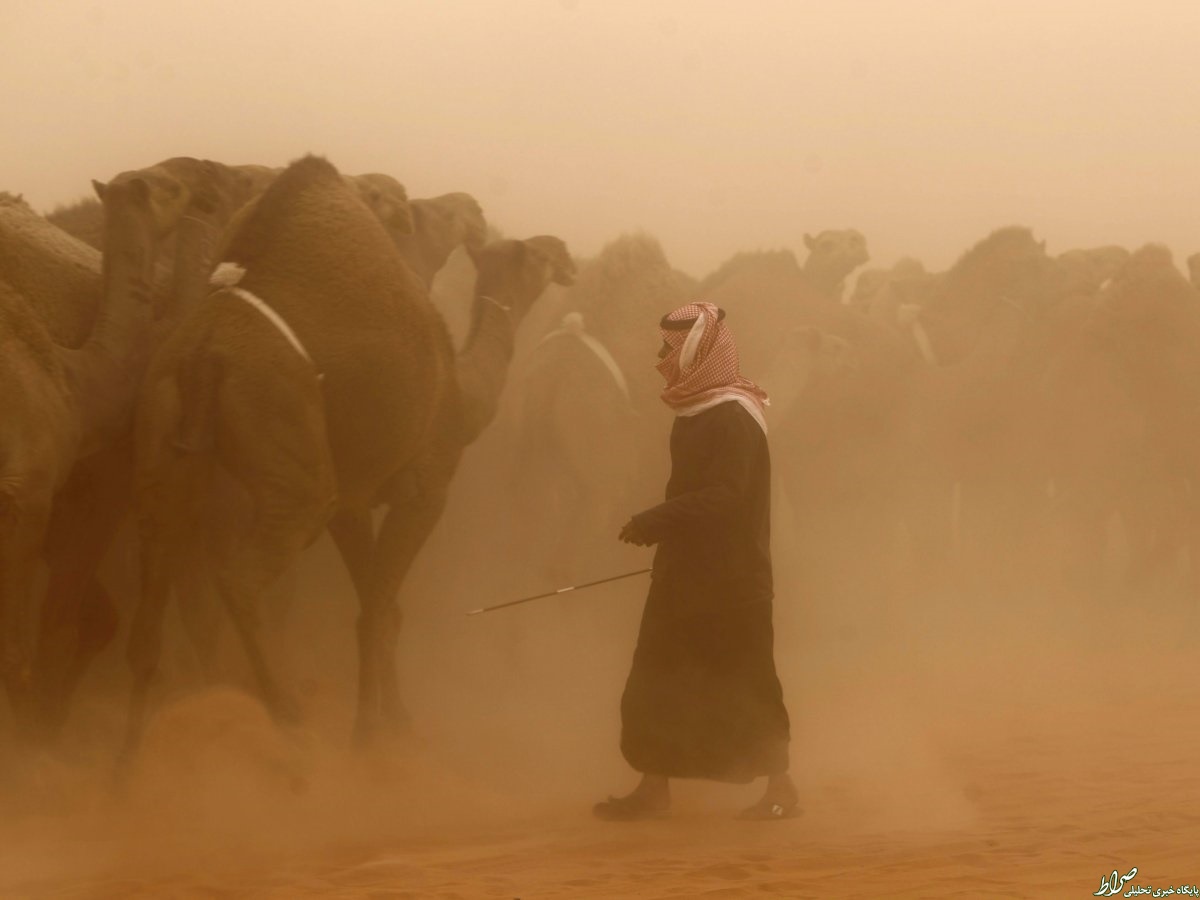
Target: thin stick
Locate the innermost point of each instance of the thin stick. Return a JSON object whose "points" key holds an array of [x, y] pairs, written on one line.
{"points": [[574, 587]]}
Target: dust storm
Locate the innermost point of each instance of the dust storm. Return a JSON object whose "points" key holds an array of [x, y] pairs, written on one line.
{"points": [[303, 311]]}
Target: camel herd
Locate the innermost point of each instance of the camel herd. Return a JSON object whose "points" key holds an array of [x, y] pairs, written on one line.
{"points": [[242, 358], [1021, 417], [250, 357]]}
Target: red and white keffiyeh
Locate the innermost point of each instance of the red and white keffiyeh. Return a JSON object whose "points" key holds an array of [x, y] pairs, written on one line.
{"points": [[702, 368]]}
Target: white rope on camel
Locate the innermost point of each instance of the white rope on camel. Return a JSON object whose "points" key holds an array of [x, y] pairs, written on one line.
{"points": [[496, 303], [226, 277], [572, 326], [910, 314]]}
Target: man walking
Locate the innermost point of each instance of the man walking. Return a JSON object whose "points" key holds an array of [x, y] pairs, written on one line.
{"points": [[703, 699]]}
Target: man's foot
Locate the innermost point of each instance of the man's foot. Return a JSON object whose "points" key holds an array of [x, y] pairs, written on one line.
{"points": [[780, 801], [649, 800], [627, 809]]}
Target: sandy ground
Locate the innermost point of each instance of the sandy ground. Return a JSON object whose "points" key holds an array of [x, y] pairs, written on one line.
{"points": [[1005, 763], [953, 745]]}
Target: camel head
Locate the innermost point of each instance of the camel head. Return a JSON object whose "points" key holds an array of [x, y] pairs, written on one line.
{"points": [[387, 199], [144, 208], [552, 254], [521, 270], [132, 235], [173, 186], [451, 220], [1193, 264], [832, 255]]}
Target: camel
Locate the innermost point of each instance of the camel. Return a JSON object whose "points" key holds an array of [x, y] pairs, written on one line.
{"points": [[425, 235], [83, 219], [1120, 412], [833, 255], [807, 356], [170, 211], [440, 224], [837, 430], [893, 296], [867, 284], [621, 293], [324, 382], [767, 293], [183, 205], [983, 334], [1085, 271], [584, 382], [69, 360]]}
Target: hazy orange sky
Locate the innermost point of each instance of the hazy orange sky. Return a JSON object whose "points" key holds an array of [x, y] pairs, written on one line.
{"points": [[715, 125]]}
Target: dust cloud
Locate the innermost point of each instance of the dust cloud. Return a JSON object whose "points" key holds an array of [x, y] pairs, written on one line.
{"points": [[971, 712]]}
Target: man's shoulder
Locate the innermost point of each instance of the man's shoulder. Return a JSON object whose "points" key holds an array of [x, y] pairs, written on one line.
{"points": [[729, 415]]}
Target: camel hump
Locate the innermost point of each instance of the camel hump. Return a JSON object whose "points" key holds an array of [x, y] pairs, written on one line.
{"points": [[573, 327], [277, 203]]}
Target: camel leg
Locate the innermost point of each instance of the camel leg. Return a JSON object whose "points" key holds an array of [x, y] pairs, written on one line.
{"points": [[16, 585], [80, 621], [78, 618], [22, 527], [354, 536], [201, 606], [289, 511], [145, 638], [242, 606], [98, 626], [280, 455], [200, 610], [401, 536]]}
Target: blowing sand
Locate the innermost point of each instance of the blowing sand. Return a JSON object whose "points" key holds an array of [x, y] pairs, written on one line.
{"points": [[951, 745], [1029, 757]]}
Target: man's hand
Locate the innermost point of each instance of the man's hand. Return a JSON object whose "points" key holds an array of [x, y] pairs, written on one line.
{"points": [[631, 533]]}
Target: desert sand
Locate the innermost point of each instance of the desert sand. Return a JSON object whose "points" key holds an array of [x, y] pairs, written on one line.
{"points": [[1022, 746]]}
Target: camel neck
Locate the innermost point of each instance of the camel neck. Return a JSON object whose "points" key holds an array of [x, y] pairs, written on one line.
{"points": [[825, 283], [105, 371], [424, 255], [484, 360], [193, 262]]}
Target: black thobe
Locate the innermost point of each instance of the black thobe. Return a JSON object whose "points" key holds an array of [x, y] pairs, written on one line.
{"points": [[703, 699]]}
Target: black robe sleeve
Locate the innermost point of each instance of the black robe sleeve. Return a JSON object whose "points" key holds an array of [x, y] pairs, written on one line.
{"points": [[719, 484], [713, 530]]}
